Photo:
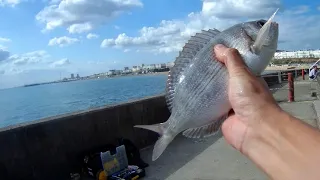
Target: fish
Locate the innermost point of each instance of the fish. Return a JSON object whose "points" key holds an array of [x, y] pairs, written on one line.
{"points": [[196, 90]]}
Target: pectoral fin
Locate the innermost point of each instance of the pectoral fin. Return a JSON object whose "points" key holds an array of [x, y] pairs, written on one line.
{"points": [[205, 131]]}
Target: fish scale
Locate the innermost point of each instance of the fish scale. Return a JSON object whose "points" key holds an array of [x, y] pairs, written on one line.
{"points": [[200, 88], [196, 91]]}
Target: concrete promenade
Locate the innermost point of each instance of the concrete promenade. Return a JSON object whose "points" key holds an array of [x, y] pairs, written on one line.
{"points": [[56, 145], [214, 159]]}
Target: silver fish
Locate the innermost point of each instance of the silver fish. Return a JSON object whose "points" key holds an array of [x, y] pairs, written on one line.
{"points": [[196, 90]]}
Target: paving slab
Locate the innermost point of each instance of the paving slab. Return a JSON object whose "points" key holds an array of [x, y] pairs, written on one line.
{"points": [[302, 110], [213, 158], [316, 105], [302, 92]]}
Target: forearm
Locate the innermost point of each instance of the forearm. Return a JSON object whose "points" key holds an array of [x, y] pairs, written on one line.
{"points": [[286, 149]]}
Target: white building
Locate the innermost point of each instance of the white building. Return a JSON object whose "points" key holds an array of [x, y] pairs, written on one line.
{"points": [[170, 64], [159, 66], [149, 66], [114, 72], [297, 54], [136, 68]]}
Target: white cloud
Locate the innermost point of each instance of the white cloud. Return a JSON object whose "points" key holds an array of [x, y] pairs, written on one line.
{"points": [[79, 28], [62, 41], [14, 71], [4, 55], [171, 35], [92, 36], [9, 2], [61, 63], [84, 14], [240, 8], [298, 10], [116, 27], [21, 63], [296, 33], [29, 58], [167, 33], [318, 8], [54, 1], [2, 39]]}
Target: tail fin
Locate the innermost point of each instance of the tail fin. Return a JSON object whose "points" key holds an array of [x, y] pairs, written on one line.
{"points": [[158, 128], [160, 146], [164, 140]]}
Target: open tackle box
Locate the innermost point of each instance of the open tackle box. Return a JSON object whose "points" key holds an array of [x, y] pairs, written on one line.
{"points": [[115, 167]]}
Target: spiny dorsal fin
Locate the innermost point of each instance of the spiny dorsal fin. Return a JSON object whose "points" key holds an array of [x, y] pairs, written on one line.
{"points": [[185, 55], [193, 46], [204, 131], [214, 31], [189, 51]]}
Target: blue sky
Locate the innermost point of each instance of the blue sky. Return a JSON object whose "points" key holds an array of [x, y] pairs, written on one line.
{"points": [[41, 39]]}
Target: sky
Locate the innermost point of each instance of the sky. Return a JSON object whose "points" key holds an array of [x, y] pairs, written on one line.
{"points": [[43, 40]]}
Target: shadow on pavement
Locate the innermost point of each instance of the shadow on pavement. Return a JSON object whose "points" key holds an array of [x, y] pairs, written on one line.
{"points": [[178, 153]]}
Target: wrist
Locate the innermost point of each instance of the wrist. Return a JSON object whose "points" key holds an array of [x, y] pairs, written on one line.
{"points": [[264, 140], [284, 147]]}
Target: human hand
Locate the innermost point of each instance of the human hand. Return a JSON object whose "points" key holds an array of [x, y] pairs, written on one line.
{"points": [[250, 99], [281, 145]]}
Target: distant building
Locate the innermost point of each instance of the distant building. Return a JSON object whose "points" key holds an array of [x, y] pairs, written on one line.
{"points": [[136, 68], [297, 54], [149, 66], [127, 70], [170, 64], [115, 72], [112, 72], [78, 76], [160, 66], [72, 76], [118, 72]]}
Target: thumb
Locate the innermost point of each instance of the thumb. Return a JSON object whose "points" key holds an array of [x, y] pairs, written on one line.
{"points": [[234, 132], [232, 59]]}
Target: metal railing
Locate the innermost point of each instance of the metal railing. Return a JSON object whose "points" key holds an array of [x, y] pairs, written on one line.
{"points": [[286, 76], [316, 63]]}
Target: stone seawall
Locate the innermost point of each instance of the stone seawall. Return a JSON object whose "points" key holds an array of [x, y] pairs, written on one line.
{"points": [[51, 148]]}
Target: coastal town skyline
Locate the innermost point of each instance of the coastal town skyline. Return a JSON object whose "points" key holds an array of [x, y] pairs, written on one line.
{"points": [[39, 40], [135, 69]]}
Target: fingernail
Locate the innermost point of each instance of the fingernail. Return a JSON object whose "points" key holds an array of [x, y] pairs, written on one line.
{"points": [[219, 47]]}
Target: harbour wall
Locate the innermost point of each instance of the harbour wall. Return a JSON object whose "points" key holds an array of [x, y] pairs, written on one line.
{"points": [[52, 148]]}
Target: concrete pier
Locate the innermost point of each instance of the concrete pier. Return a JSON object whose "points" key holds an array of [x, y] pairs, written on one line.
{"points": [[53, 147], [213, 158]]}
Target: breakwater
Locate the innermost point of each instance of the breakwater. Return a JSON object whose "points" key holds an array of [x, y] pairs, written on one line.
{"points": [[52, 147]]}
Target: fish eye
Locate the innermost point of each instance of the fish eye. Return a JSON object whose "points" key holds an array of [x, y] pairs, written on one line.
{"points": [[261, 22]]}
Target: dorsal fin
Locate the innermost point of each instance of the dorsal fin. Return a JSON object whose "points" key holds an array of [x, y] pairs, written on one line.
{"points": [[184, 55], [189, 51]]}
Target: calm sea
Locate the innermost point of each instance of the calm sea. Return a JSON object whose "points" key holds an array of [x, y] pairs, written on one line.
{"points": [[18, 105], [25, 104]]}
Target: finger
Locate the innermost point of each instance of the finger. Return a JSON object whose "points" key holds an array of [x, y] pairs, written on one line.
{"points": [[230, 57], [234, 132]]}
